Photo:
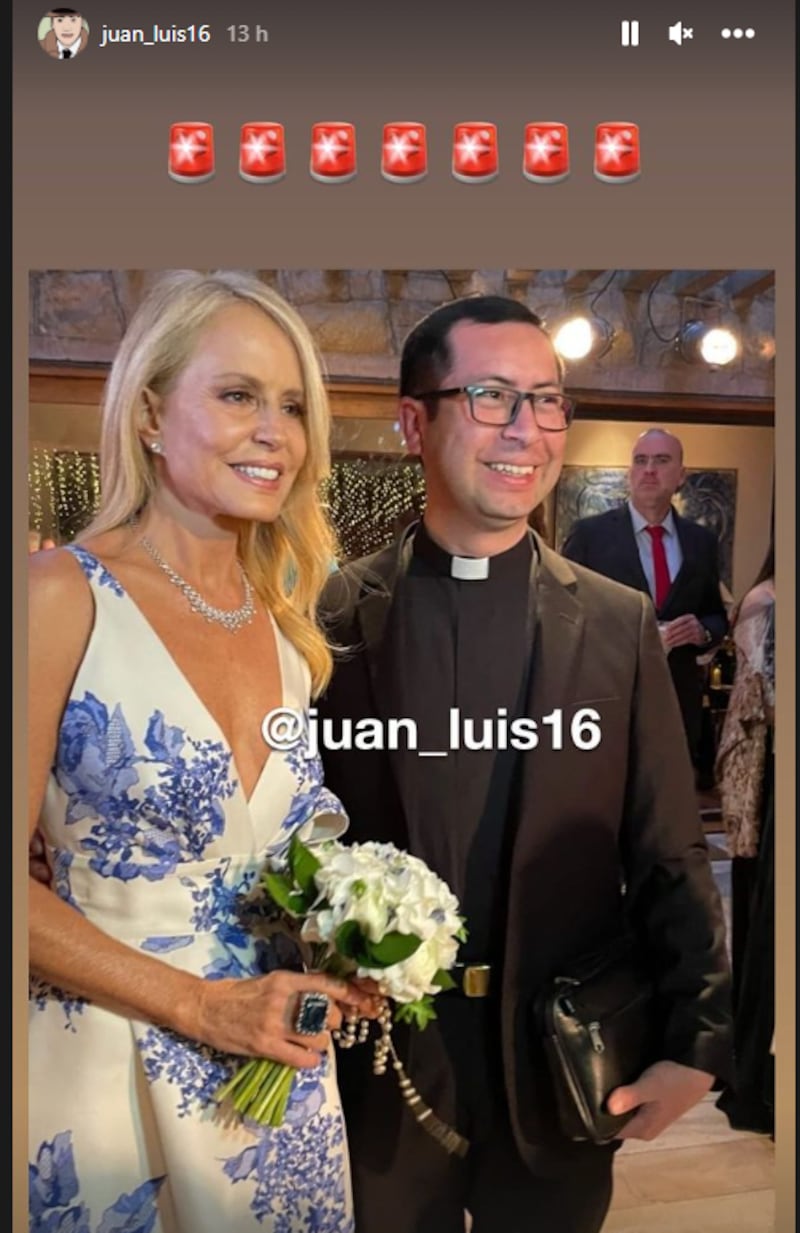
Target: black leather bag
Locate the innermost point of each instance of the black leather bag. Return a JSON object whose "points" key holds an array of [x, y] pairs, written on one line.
{"points": [[598, 1019]]}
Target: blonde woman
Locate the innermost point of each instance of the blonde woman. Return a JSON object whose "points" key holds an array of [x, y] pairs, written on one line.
{"points": [[158, 644]]}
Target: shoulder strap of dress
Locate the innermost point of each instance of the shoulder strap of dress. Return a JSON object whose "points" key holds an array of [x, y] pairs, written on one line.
{"points": [[94, 571]]}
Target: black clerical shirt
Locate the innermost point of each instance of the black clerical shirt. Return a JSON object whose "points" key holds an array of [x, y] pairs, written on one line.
{"points": [[455, 642]]}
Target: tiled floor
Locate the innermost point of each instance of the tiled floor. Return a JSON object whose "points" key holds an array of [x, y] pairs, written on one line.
{"points": [[698, 1177]]}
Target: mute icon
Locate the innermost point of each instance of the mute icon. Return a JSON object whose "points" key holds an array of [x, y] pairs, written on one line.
{"points": [[678, 32]]}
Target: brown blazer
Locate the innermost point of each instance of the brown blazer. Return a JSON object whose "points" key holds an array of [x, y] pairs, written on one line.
{"points": [[601, 834]]}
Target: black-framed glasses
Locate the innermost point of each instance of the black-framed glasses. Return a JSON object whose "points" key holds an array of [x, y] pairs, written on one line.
{"points": [[498, 406]]}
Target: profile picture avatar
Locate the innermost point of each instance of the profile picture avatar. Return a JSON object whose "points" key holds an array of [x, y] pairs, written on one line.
{"points": [[63, 33]]}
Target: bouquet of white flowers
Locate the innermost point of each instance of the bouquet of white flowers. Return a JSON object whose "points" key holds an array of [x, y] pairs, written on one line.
{"points": [[364, 910]]}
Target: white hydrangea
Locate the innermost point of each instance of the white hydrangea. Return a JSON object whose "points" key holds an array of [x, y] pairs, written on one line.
{"points": [[385, 890], [411, 979]]}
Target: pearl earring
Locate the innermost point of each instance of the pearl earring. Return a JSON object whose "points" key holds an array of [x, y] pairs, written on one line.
{"points": [[156, 447]]}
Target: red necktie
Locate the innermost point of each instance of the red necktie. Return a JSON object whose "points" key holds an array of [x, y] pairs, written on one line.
{"points": [[660, 566]]}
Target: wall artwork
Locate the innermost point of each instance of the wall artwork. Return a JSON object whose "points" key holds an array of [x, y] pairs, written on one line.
{"points": [[707, 497]]}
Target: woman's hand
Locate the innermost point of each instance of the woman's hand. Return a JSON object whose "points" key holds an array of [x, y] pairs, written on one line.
{"points": [[366, 999], [256, 1017], [38, 867]]}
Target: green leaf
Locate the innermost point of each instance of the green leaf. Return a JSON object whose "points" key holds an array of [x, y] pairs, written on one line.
{"points": [[444, 980], [349, 941], [283, 892], [303, 865], [419, 1014], [278, 887], [392, 948]]}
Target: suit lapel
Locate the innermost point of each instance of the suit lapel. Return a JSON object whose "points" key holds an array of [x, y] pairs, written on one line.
{"points": [[555, 684], [557, 637], [372, 613], [629, 552]]}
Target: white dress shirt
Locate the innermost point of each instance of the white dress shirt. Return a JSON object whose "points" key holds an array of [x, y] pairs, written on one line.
{"points": [[644, 544]]}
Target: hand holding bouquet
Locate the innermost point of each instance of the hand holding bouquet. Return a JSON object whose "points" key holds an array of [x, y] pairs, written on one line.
{"points": [[364, 911]]}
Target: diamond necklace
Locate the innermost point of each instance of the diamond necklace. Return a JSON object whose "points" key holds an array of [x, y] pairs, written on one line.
{"points": [[232, 619]]}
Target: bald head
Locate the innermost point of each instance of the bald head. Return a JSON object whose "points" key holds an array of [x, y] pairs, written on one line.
{"points": [[641, 442]]}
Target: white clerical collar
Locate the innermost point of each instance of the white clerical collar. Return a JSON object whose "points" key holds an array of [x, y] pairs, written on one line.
{"points": [[469, 569]]}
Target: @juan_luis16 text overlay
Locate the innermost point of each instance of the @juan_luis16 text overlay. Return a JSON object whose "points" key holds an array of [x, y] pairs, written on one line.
{"points": [[285, 728]]}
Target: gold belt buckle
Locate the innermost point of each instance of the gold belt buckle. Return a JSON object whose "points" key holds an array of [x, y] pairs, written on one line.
{"points": [[476, 980]]}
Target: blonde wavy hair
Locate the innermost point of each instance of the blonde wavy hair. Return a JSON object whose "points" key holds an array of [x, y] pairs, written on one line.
{"points": [[288, 560]]}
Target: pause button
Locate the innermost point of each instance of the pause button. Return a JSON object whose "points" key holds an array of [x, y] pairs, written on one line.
{"points": [[629, 33]]}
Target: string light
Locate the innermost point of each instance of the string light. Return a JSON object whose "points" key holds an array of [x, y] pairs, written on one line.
{"points": [[366, 498], [37, 489]]}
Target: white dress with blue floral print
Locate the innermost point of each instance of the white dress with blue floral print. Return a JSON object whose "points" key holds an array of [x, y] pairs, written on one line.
{"points": [[151, 837]]}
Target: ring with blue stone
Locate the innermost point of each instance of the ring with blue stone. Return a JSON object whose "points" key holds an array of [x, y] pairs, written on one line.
{"points": [[312, 1014]]}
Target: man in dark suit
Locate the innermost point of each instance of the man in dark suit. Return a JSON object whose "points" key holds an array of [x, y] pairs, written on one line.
{"points": [[646, 544], [550, 851]]}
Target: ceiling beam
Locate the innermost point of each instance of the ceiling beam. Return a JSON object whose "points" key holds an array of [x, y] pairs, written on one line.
{"points": [[745, 295], [678, 408], [643, 280], [702, 281], [582, 279]]}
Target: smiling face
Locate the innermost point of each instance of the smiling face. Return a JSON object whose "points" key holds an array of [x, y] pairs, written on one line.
{"points": [[231, 425], [483, 482], [67, 27]]}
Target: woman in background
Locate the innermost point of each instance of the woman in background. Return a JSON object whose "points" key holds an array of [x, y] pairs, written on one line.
{"points": [[745, 771]]}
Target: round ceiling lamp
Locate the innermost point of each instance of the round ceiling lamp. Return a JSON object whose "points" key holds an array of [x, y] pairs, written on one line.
{"points": [[580, 337], [712, 345]]}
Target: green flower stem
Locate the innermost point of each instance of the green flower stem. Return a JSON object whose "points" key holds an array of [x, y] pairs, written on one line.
{"points": [[252, 1089], [238, 1082], [248, 1090], [271, 1074], [271, 1108], [260, 1090]]}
